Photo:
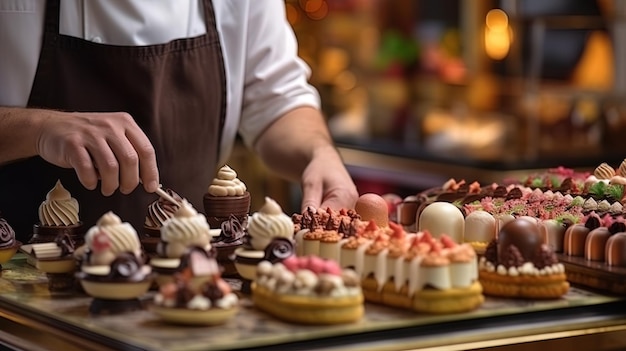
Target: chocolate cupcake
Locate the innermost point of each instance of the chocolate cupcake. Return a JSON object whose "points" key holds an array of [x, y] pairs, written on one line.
{"points": [[159, 211], [58, 214], [226, 195]]}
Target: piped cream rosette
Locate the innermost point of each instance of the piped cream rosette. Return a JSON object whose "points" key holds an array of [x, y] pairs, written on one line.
{"points": [[186, 228], [59, 208], [268, 223], [226, 183]]}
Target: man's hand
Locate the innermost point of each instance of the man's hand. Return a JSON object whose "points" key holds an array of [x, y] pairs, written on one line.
{"points": [[326, 183], [298, 146], [105, 146]]}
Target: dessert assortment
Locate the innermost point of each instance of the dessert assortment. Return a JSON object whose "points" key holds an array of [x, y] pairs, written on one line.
{"points": [[409, 270], [308, 290], [439, 251]]}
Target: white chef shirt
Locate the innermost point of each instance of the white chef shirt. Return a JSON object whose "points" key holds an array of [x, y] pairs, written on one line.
{"points": [[265, 78]]}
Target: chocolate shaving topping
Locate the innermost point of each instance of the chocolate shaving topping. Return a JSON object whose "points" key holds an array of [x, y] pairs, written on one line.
{"points": [[342, 221], [7, 235], [515, 193], [500, 191], [233, 232], [65, 242]]}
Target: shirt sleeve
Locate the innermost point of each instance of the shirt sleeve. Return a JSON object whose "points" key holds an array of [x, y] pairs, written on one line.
{"points": [[275, 78]]}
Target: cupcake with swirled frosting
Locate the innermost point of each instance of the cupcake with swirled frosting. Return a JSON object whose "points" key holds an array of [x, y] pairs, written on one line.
{"points": [[225, 196], [159, 211], [58, 214], [8, 244], [270, 238], [185, 229]]}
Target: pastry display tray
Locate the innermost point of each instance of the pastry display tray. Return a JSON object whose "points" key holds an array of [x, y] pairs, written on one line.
{"points": [[24, 293]]}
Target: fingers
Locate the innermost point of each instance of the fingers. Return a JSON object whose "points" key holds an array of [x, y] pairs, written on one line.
{"points": [[84, 167], [107, 166], [148, 170], [312, 193], [128, 164], [106, 146]]}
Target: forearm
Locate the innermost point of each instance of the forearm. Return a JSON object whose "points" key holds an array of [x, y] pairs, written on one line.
{"points": [[19, 131], [291, 142]]}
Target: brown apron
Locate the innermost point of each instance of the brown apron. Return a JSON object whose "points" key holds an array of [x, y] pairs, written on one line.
{"points": [[176, 92]]}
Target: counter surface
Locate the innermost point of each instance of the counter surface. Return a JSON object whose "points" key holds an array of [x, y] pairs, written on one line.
{"points": [[26, 301]]}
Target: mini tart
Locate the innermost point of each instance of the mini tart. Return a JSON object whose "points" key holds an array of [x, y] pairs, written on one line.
{"points": [[96, 285], [185, 316], [308, 309], [124, 279], [427, 300], [6, 253], [549, 286], [56, 265]]}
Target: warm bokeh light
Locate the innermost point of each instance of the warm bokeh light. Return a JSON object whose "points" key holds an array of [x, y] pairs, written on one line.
{"points": [[293, 15], [497, 20], [311, 6], [345, 81], [320, 13], [498, 34]]}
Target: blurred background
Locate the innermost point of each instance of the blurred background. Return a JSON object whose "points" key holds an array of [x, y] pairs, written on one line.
{"points": [[419, 91]]}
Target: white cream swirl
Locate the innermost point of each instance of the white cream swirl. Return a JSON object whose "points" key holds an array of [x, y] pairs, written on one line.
{"points": [[59, 207], [268, 223], [186, 228], [109, 238], [226, 183]]}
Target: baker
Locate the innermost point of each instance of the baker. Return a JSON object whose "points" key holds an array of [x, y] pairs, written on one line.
{"points": [[105, 95]]}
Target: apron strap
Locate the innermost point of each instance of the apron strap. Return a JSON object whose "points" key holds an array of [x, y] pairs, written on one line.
{"points": [[51, 24]]}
